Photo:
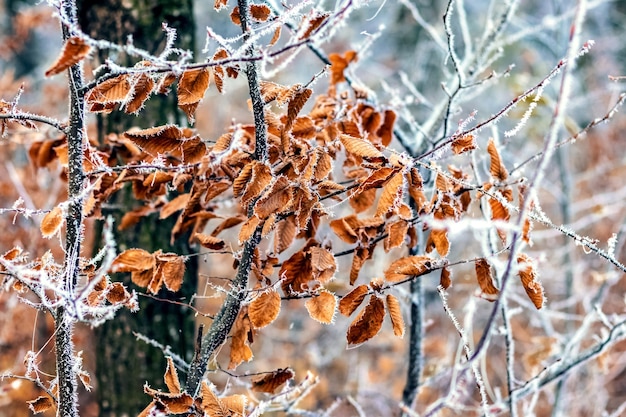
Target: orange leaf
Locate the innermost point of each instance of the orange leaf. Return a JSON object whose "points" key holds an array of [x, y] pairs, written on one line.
{"points": [[248, 228], [141, 89], [173, 271], [235, 16], [361, 255], [396, 233], [395, 314], [362, 200], [114, 90], [463, 144], [220, 4], [296, 272], [259, 180], [52, 222], [323, 263], [439, 238], [313, 23], [270, 382], [295, 104], [391, 195], [210, 242], [264, 309], [352, 300], [275, 36], [368, 323], [322, 307], [171, 377], [385, 131], [343, 229], [445, 280], [192, 86], [116, 293], [40, 405], [133, 260], [74, 50], [409, 266], [277, 199], [361, 147], [496, 168], [285, 234], [239, 349], [528, 276], [260, 12], [176, 204], [485, 279]]}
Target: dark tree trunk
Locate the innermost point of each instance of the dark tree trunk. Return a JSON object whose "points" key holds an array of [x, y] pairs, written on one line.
{"points": [[125, 364]]}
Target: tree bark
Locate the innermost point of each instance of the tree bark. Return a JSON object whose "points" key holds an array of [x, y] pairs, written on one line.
{"points": [[125, 364]]}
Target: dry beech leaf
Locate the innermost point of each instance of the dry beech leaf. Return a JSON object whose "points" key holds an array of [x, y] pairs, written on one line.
{"points": [[248, 228], [114, 90], [439, 237], [220, 4], [528, 275], [260, 12], [485, 279], [339, 64], [322, 307], [176, 204], [285, 234], [192, 86], [296, 272], [52, 222], [363, 200], [116, 293], [276, 199], [361, 254], [362, 148], [239, 349], [368, 323], [231, 406], [275, 36], [171, 377], [496, 167], [312, 24], [463, 144], [235, 17], [409, 266], [396, 233], [351, 301], [133, 260], [445, 280], [173, 272], [270, 382], [142, 86], [74, 50], [264, 309], [395, 314], [385, 131], [343, 230], [391, 196], [296, 104], [40, 404], [210, 242]]}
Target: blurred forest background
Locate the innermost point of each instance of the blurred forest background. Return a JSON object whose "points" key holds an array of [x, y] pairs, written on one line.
{"points": [[403, 62]]}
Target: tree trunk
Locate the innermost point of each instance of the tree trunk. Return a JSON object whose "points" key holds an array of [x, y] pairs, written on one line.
{"points": [[125, 364]]}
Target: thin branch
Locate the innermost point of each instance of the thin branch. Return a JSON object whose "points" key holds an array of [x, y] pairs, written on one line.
{"points": [[25, 116]]}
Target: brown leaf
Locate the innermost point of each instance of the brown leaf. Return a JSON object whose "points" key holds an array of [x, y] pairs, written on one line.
{"points": [[339, 64], [362, 148], [116, 293], [52, 222], [368, 323], [114, 90], [228, 223], [296, 272], [220, 4], [285, 234], [74, 50], [176, 204], [362, 200], [409, 266], [528, 275], [323, 263], [361, 254], [270, 382], [385, 131], [133, 260], [496, 168], [239, 349], [391, 196], [171, 377], [235, 16], [192, 86], [142, 278], [343, 229], [353, 300], [275, 36], [248, 228], [277, 199], [173, 270], [210, 242], [260, 179], [296, 103], [463, 144], [485, 279], [312, 24], [260, 12], [395, 314], [396, 233], [322, 307], [142, 86], [439, 237], [445, 280], [264, 309], [40, 404]]}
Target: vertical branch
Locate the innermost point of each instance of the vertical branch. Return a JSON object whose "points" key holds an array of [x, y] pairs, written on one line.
{"points": [[510, 357], [416, 332], [225, 318], [64, 322]]}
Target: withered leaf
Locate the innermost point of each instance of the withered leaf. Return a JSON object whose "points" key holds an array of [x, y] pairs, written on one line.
{"points": [[409, 266], [248, 228], [192, 86], [296, 272], [276, 199], [40, 404], [528, 275], [239, 349], [114, 90], [52, 222], [264, 309], [285, 234], [74, 50], [463, 144], [368, 323], [361, 254], [395, 314], [362, 148], [210, 242], [260, 12], [391, 195], [445, 280], [396, 233], [271, 381], [322, 307], [171, 377], [142, 86], [385, 131], [133, 260], [353, 300], [496, 168], [439, 238], [173, 271], [485, 279]]}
